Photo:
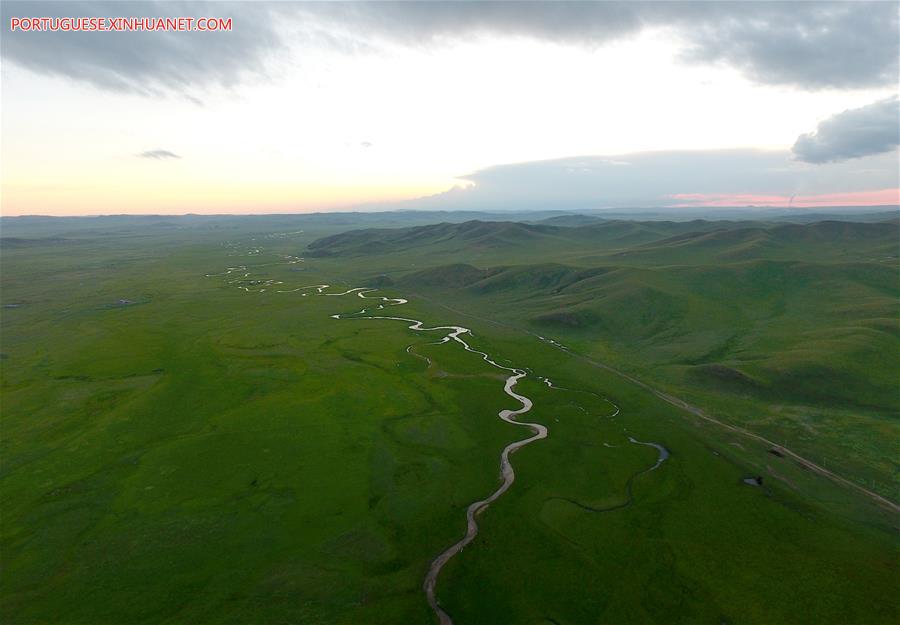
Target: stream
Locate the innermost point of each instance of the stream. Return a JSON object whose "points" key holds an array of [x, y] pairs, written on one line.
{"points": [[508, 474], [239, 276]]}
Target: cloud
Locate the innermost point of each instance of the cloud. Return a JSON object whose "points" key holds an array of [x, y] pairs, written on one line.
{"points": [[807, 44], [158, 155], [854, 133], [658, 179], [145, 62], [425, 23]]}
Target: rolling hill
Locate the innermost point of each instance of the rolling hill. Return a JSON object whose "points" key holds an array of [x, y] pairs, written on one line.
{"points": [[464, 235], [787, 326], [826, 240], [507, 236], [619, 242], [790, 329]]}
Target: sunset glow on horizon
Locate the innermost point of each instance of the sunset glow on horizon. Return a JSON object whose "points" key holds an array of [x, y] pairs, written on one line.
{"points": [[881, 197]]}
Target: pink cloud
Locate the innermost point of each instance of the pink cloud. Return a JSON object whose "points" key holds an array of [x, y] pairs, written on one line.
{"points": [[859, 198]]}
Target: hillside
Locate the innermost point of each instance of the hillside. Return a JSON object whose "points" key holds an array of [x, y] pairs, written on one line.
{"points": [[467, 234], [792, 330], [579, 234], [618, 242], [825, 240], [784, 327]]}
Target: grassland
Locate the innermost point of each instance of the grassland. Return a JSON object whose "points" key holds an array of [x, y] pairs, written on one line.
{"points": [[176, 449], [791, 328]]}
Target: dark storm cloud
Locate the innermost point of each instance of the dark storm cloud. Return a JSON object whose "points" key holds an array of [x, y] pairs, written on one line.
{"points": [[807, 44], [143, 62], [871, 129], [158, 155]]}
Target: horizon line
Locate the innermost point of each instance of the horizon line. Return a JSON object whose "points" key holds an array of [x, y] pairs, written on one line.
{"points": [[681, 208]]}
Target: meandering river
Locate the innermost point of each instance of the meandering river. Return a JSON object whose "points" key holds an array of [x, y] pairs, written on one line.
{"points": [[239, 276], [507, 473]]}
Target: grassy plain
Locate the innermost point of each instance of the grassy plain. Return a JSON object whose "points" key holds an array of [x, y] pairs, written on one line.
{"points": [[178, 450], [791, 328]]}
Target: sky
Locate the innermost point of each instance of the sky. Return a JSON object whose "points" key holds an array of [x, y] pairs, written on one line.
{"points": [[453, 105]]}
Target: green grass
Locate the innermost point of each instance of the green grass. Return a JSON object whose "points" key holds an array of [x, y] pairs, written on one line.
{"points": [[798, 338], [804, 353], [208, 455]]}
